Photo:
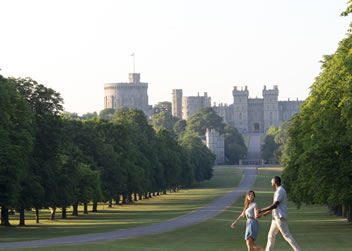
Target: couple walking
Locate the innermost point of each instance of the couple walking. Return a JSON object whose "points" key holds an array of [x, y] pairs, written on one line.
{"points": [[279, 216]]}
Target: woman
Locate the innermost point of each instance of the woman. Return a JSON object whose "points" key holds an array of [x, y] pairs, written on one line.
{"points": [[251, 211]]}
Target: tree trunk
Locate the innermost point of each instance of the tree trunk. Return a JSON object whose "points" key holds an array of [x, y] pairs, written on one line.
{"points": [[22, 223], [164, 192], [345, 211], [150, 195], [140, 196], [158, 193], [64, 213], [135, 197], [130, 200], [124, 199], [339, 210], [117, 200], [75, 209], [52, 213], [37, 215], [349, 214], [110, 203], [146, 196], [5, 217], [85, 208], [95, 207]]}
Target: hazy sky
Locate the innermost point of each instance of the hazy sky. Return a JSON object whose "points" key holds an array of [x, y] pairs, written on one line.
{"points": [[201, 46]]}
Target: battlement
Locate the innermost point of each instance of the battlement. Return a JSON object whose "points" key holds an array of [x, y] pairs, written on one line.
{"points": [[274, 91]]}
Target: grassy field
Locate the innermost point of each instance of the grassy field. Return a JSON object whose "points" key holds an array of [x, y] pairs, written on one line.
{"points": [[145, 212], [313, 227]]}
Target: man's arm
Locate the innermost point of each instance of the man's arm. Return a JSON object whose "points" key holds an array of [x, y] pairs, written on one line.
{"points": [[271, 207]]}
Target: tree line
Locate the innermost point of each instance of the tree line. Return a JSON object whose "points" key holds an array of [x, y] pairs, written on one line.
{"points": [[318, 153], [49, 160]]}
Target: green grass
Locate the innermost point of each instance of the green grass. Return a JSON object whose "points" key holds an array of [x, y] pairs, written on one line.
{"points": [[313, 227], [145, 212]]}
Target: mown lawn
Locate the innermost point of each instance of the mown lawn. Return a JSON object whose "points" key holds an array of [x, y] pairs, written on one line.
{"points": [[145, 212], [313, 227]]}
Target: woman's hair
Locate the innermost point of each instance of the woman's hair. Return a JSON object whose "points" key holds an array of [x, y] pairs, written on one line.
{"points": [[246, 201]]}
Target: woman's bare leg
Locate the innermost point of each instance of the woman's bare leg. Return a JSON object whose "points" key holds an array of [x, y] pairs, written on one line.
{"points": [[258, 247], [249, 243]]}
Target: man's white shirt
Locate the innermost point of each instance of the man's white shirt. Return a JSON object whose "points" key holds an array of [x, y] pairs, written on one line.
{"points": [[281, 210]]}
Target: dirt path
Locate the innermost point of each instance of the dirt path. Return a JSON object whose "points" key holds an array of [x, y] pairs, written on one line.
{"points": [[195, 217]]}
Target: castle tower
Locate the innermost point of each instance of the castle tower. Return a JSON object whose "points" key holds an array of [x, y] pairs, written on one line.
{"points": [[240, 109], [177, 103], [133, 94], [271, 108], [216, 144], [191, 104]]}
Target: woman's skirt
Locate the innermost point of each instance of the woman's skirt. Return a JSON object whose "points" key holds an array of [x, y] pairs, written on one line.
{"points": [[252, 228]]}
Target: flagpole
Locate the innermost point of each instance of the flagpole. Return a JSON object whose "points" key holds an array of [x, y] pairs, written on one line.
{"points": [[134, 63]]}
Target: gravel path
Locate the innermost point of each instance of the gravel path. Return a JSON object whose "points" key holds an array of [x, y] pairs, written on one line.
{"points": [[195, 217]]}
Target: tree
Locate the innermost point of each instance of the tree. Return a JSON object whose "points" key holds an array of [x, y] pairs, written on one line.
{"points": [[46, 106], [16, 142], [180, 128], [164, 106], [201, 159], [107, 114], [270, 146], [164, 120], [235, 148], [205, 118], [318, 152]]}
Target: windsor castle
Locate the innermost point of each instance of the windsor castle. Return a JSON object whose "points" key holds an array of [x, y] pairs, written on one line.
{"points": [[248, 115]]}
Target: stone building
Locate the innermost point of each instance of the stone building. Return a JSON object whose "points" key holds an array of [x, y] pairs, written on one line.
{"points": [[216, 144], [257, 115], [248, 115], [190, 104], [133, 94]]}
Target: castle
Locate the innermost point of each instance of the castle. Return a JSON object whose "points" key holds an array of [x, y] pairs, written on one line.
{"points": [[246, 114]]}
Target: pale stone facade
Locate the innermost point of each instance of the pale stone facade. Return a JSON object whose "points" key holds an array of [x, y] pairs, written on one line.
{"points": [[133, 94], [248, 115], [177, 103], [257, 115], [190, 104], [216, 144]]}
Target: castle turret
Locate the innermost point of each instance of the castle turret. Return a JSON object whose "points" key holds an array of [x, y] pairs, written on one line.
{"points": [[240, 109], [191, 104], [271, 108], [216, 144], [177, 103]]}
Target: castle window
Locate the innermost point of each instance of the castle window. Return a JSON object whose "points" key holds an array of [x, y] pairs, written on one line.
{"points": [[240, 115], [271, 116]]}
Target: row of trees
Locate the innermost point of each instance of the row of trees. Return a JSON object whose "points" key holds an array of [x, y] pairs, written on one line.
{"points": [[318, 154], [49, 160]]}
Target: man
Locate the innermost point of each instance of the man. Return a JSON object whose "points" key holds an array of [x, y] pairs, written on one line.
{"points": [[279, 216]]}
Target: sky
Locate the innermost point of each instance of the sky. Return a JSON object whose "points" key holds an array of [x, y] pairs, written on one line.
{"points": [[75, 46]]}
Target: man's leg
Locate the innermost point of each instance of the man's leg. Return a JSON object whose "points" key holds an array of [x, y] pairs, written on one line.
{"points": [[282, 224], [272, 236]]}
